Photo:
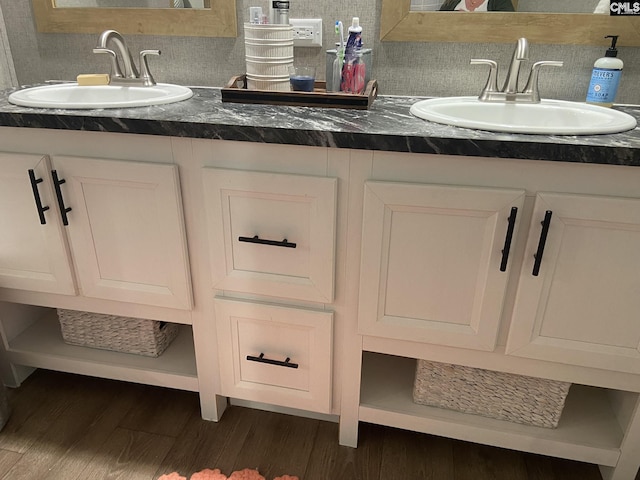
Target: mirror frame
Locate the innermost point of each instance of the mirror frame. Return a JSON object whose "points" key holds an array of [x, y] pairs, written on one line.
{"points": [[217, 21], [399, 24]]}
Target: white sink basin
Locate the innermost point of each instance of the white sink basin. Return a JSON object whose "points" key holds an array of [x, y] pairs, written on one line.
{"points": [[72, 95], [552, 117]]}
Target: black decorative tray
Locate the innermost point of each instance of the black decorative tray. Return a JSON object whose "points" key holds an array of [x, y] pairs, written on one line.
{"points": [[236, 91]]}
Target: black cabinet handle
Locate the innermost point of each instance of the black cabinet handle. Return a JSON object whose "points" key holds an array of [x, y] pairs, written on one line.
{"points": [[275, 243], [507, 240], [36, 196], [63, 210], [261, 359], [542, 242]]}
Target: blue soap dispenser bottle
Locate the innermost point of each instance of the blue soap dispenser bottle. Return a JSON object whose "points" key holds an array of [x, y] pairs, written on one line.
{"points": [[605, 77]]}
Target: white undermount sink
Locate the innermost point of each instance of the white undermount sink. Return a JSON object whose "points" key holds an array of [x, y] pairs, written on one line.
{"points": [[550, 117], [73, 96]]}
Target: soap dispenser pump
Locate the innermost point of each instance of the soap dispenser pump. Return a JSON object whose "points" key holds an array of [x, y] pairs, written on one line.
{"points": [[605, 77]]}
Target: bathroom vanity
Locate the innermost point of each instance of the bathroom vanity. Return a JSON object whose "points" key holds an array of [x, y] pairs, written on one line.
{"points": [[292, 245]]}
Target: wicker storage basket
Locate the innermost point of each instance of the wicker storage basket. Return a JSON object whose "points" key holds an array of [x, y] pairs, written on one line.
{"points": [[119, 334], [505, 396]]}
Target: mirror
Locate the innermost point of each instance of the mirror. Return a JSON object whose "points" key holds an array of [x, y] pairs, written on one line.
{"points": [[218, 20], [399, 24], [530, 6], [132, 3], [451, 5]]}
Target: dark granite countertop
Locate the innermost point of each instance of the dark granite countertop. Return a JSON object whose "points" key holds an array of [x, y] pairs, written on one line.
{"points": [[387, 125]]}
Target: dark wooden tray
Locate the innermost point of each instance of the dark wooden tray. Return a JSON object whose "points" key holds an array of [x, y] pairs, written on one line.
{"points": [[236, 91]]}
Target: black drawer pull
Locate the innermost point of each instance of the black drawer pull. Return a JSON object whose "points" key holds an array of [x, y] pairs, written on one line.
{"points": [[36, 196], [260, 359], [63, 210], [275, 243], [507, 241], [542, 242]]}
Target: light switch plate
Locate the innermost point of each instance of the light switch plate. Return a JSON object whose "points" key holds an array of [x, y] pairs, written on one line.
{"points": [[307, 32]]}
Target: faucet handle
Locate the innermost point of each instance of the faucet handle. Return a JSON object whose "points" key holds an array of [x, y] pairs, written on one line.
{"points": [[492, 81], [115, 66], [532, 84], [145, 73]]}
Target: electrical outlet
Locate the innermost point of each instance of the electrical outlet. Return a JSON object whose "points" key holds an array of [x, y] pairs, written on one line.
{"points": [[307, 32]]}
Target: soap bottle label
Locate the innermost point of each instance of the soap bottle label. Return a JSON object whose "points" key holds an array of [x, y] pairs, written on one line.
{"points": [[604, 85]]}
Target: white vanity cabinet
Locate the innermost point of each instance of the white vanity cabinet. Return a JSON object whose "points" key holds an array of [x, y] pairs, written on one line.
{"points": [[92, 222], [435, 262], [115, 226], [434, 284], [271, 218], [578, 296], [125, 230], [321, 275], [34, 254]]}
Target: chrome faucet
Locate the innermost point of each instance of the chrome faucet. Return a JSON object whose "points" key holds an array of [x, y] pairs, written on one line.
{"points": [[130, 75], [510, 91]]}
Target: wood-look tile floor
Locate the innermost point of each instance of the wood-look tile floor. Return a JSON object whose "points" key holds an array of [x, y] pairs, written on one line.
{"points": [[69, 427]]}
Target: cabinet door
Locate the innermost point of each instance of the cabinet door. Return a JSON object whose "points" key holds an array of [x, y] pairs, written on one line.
{"points": [[272, 234], [33, 252], [126, 230], [583, 305], [433, 268]]}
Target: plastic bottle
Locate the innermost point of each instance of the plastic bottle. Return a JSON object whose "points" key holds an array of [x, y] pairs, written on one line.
{"points": [[353, 69], [605, 77], [355, 33], [279, 12]]}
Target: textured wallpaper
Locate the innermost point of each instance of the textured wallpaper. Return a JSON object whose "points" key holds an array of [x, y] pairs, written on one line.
{"points": [[7, 71], [432, 69]]}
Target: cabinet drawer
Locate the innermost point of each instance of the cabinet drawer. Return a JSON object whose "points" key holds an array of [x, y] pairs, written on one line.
{"points": [[272, 234], [273, 354]]}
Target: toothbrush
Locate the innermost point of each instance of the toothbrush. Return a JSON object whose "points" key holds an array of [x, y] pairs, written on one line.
{"points": [[339, 61]]}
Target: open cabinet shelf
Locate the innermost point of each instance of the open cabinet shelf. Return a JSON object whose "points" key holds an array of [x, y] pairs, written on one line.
{"points": [[41, 346], [588, 431]]}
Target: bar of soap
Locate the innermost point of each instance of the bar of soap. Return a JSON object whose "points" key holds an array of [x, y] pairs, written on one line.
{"points": [[93, 79]]}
